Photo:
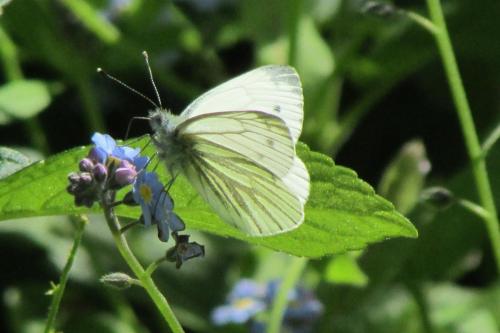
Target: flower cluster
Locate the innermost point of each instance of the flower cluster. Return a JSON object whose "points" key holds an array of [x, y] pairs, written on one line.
{"points": [[248, 299], [109, 167]]}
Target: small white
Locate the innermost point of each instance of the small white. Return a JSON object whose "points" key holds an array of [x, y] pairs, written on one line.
{"points": [[236, 146]]}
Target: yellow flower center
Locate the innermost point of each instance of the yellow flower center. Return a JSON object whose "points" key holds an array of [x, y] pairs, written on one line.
{"points": [[243, 303], [146, 193]]}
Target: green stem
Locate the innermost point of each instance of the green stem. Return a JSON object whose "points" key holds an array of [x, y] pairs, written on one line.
{"points": [[467, 123], [422, 21], [81, 222], [154, 265], [423, 306], [147, 282], [293, 30], [13, 72], [474, 208], [491, 140], [291, 277]]}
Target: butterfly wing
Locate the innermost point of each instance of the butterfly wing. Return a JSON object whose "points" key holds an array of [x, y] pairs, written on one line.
{"points": [[272, 89], [261, 138], [254, 185]]}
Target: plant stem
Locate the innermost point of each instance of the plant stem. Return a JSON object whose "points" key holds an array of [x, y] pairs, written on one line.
{"points": [[474, 208], [467, 123], [293, 30], [423, 307], [291, 276], [491, 140], [421, 21], [147, 282], [154, 265], [81, 222]]}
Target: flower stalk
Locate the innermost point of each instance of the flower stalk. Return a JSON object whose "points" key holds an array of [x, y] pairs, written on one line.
{"points": [[474, 149], [147, 282], [58, 293]]}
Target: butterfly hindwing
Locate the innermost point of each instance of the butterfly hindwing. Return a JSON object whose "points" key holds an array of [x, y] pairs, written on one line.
{"points": [[243, 193]]}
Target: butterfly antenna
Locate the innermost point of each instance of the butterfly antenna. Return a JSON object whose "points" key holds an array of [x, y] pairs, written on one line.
{"points": [[123, 84], [129, 126], [146, 58]]}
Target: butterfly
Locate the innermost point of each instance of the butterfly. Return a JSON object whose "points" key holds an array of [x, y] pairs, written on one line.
{"points": [[235, 144]]}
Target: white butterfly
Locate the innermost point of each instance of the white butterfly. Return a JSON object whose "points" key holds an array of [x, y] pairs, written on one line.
{"points": [[236, 145]]}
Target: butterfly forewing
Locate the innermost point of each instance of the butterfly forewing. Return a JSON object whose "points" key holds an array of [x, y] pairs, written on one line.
{"points": [[260, 137], [272, 89]]}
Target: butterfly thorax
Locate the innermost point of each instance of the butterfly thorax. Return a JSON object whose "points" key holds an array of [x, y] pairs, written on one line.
{"points": [[170, 148]]}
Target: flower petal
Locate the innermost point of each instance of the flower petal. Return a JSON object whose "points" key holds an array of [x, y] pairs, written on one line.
{"points": [[104, 141], [163, 231], [126, 153]]}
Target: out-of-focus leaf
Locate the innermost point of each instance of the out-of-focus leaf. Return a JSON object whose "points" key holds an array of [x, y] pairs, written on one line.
{"points": [[264, 20], [344, 269], [315, 61], [10, 161], [403, 179], [23, 99], [461, 309], [324, 10], [3, 3], [343, 212], [92, 20], [449, 308], [479, 321], [55, 235]]}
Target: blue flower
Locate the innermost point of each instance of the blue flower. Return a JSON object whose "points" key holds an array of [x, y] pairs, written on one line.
{"points": [[238, 311], [125, 153], [157, 206], [247, 288], [245, 300], [106, 146], [166, 218], [248, 298], [303, 309]]}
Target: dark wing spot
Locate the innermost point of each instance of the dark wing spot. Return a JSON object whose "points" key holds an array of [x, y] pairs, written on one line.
{"points": [[270, 142], [277, 108]]}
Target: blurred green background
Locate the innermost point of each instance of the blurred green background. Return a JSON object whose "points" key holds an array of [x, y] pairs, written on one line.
{"points": [[376, 100]]}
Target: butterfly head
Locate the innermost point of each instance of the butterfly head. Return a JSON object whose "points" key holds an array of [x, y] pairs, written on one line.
{"points": [[162, 121]]}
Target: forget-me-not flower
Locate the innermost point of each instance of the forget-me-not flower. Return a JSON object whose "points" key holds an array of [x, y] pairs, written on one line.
{"points": [[245, 300], [156, 205], [248, 298]]}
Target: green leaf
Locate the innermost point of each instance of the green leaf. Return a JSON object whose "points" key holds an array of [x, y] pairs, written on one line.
{"points": [[343, 212], [404, 177], [92, 20], [23, 99], [3, 3], [10, 161], [344, 269]]}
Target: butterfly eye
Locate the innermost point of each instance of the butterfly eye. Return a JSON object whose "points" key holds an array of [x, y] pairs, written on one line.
{"points": [[155, 120]]}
